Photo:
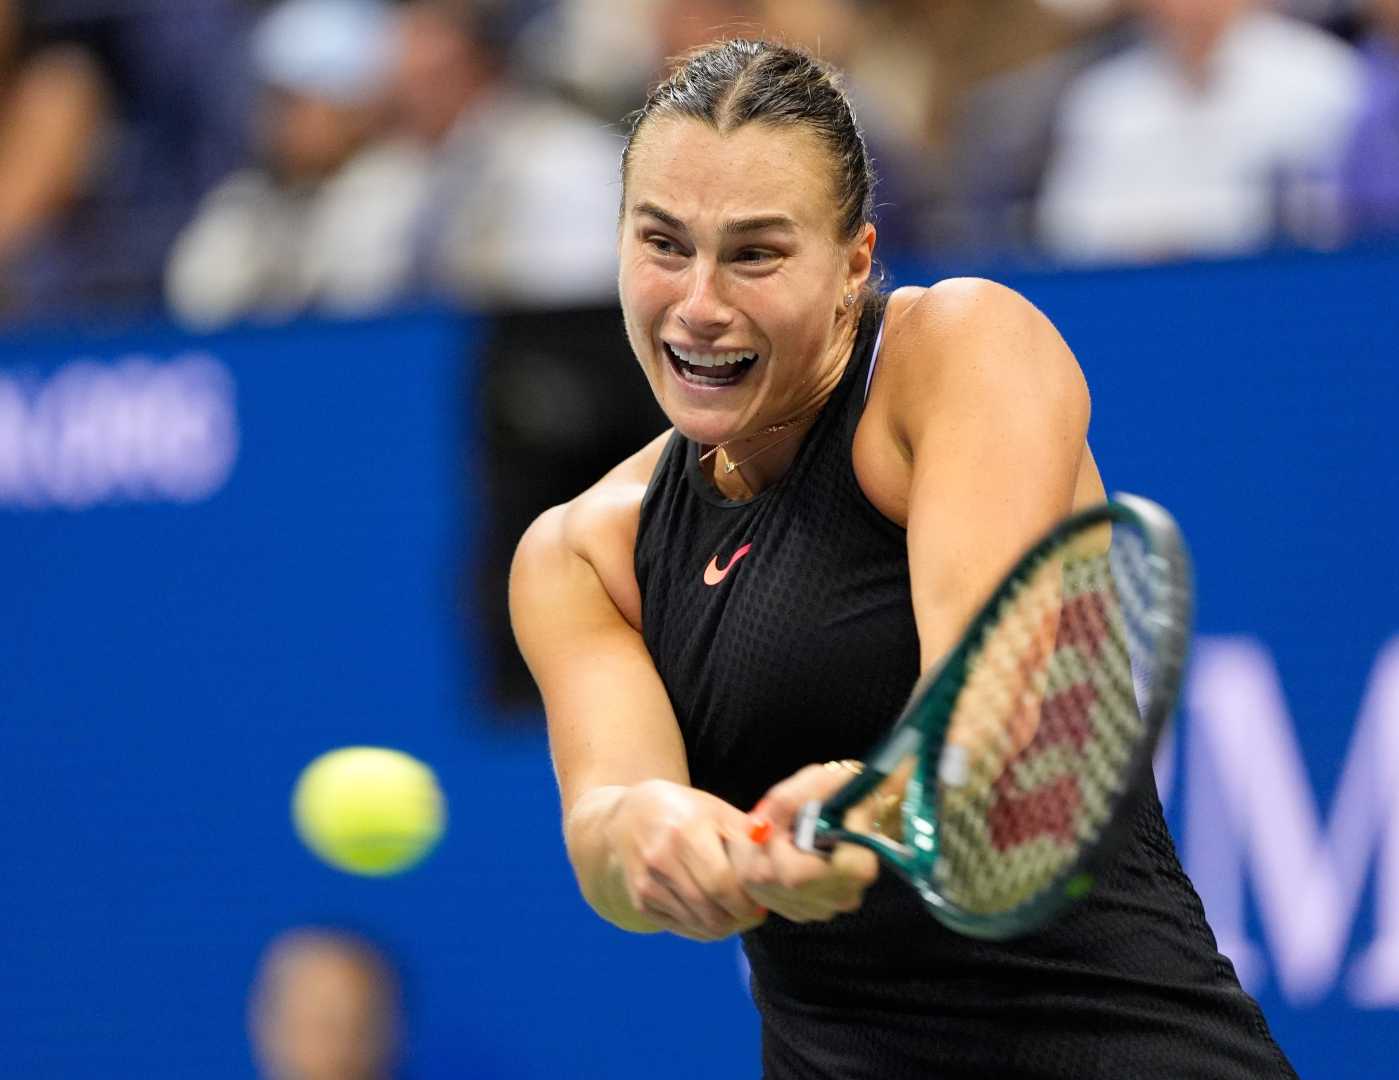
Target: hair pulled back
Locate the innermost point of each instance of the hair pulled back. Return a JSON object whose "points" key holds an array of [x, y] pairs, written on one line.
{"points": [[732, 83]]}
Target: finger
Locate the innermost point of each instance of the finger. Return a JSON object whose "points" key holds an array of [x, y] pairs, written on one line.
{"points": [[752, 866], [744, 925], [794, 868], [830, 885], [687, 929], [656, 900], [682, 868], [784, 801], [701, 911], [758, 878], [814, 904], [659, 890], [855, 864], [706, 878], [680, 929], [691, 933], [710, 864], [792, 906], [731, 820]]}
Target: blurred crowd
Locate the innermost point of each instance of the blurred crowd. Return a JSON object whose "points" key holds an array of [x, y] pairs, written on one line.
{"points": [[232, 159]]}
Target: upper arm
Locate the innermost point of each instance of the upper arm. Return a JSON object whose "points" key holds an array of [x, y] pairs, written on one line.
{"points": [[994, 419], [610, 718]]}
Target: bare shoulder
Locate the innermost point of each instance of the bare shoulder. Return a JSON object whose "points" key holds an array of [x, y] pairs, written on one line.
{"points": [[964, 342], [967, 369], [594, 531], [970, 319]]}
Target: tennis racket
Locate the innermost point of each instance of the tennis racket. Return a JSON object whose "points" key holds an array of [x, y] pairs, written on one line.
{"points": [[1006, 779]]}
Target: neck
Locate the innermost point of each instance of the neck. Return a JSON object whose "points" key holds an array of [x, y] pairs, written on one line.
{"points": [[1195, 47], [741, 474], [767, 454]]}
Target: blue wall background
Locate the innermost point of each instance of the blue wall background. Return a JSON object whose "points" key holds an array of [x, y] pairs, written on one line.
{"points": [[172, 666]]}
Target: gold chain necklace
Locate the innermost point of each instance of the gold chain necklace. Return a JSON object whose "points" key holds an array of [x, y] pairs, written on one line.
{"points": [[772, 429]]}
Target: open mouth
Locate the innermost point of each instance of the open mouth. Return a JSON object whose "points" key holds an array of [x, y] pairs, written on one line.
{"points": [[710, 369]]}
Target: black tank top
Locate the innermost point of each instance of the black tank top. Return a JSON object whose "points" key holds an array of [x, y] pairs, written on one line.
{"points": [[782, 627]]}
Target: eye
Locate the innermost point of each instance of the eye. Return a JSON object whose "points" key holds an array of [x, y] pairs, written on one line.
{"points": [[755, 256], [662, 245]]}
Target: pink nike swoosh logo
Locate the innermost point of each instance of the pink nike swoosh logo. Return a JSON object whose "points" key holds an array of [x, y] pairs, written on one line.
{"points": [[713, 575]]}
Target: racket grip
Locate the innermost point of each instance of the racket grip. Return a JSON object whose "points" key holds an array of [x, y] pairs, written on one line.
{"points": [[804, 830]]}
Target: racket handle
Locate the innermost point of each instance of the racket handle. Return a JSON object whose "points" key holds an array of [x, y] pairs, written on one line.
{"points": [[804, 830]]}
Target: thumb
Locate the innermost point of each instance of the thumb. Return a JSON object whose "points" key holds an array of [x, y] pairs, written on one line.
{"points": [[732, 821], [777, 810], [759, 821]]}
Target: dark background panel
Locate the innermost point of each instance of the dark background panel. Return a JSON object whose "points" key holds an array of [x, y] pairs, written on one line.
{"points": [[564, 402]]}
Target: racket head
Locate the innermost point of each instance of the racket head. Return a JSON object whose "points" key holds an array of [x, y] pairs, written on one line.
{"points": [[1007, 778]]}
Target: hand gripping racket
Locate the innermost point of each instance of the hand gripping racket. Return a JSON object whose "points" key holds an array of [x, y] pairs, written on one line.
{"points": [[1005, 780]]}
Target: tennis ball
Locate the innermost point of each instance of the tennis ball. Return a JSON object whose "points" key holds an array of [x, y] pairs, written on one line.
{"points": [[368, 810]]}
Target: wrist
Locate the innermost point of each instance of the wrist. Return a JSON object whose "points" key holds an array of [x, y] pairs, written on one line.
{"points": [[596, 854]]}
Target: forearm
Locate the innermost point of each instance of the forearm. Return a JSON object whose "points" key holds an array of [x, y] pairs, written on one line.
{"points": [[597, 864]]}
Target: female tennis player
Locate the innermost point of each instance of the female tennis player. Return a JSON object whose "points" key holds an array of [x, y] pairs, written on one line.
{"points": [[754, 593]]}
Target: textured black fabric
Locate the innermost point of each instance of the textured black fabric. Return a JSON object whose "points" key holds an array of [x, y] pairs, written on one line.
{"points": [[805, 651]]}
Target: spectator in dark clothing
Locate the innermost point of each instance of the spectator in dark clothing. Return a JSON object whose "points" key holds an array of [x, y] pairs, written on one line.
{"points": [[117, 116], [1370, 168]]}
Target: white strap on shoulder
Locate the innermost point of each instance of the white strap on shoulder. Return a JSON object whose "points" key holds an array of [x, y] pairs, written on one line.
{"points": [[874, 359]]}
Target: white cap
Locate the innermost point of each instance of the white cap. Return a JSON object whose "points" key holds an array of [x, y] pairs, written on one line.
{"points": [[340, 50]]}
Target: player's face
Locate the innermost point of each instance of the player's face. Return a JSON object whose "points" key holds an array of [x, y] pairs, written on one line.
{"points": [[732, 274]]}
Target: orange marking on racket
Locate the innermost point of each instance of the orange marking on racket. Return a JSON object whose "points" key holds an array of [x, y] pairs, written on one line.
{"points": [[759, 830]]}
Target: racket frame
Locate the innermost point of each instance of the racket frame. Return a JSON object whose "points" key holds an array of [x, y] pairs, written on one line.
{"points": [[922, 727]]}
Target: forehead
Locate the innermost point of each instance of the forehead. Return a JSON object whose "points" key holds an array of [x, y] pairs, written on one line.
{"points": [[699, 174]]}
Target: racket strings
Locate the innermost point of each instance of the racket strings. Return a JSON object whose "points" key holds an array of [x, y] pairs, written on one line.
{"points": [[1045, 730]]}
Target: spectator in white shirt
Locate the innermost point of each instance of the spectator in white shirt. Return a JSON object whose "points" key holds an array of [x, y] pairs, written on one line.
{"points": [[522, 202], [1210, 137], [324, 220]]}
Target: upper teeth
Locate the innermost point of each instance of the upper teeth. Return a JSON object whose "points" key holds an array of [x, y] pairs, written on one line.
{"points": [[712, 359]]}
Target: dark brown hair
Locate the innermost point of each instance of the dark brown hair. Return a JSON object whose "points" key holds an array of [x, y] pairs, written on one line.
{"points": [[732, 83]]}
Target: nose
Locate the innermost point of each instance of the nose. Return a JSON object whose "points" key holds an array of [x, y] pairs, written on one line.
{"points": [[704, 308]]}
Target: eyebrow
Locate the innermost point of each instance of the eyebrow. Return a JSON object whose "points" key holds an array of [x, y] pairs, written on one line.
{"points": [[734, 227]]}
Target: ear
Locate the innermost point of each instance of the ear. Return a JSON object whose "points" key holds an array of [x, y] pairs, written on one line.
{"points": [[859, 259]]}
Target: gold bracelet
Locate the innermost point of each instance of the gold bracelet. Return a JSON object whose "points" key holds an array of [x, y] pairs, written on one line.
{"points": [[845, 765]]}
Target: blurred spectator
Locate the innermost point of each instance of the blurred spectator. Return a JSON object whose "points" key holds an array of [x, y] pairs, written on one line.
{"points": [[1333, 14], [324, 220], [521, 208], [1370, 168], [325, 1005], [1206, 138], [1001, 135], [115, 117], [599, 53]]}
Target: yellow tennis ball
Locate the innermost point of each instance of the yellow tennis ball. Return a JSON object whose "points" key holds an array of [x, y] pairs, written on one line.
{"points": [[368, 810]]}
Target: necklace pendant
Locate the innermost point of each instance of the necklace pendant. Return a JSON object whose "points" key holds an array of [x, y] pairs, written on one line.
{"points": [[729, 466]]}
